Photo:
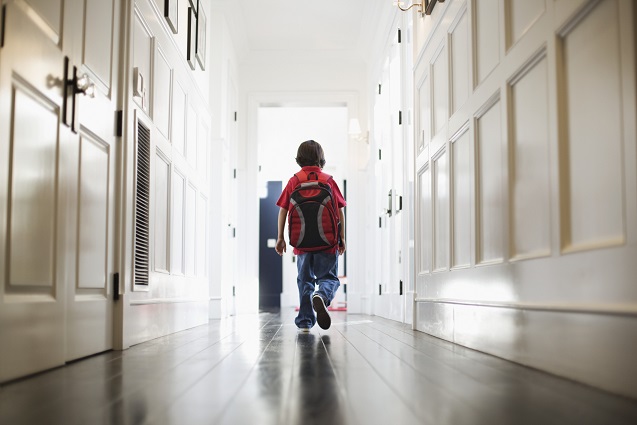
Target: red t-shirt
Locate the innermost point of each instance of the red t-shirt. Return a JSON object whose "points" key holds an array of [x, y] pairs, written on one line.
{"points": [[284, 199]]}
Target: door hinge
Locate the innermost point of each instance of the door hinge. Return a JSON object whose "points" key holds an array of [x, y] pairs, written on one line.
{"points": [[379, 88], [2, 25], [380, 289], [399, 36], [233, 291], [234, 173], [235, 116], [380, 155], [116, 286], [119, 123], [400, 117], [380, 222], [401, 287]]}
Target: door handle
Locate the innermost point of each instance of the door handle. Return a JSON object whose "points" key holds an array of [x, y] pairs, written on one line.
{"points": [[74, 85], [68, 91], [85, 86]]}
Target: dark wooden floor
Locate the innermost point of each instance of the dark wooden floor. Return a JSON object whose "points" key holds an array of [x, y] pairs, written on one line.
{"points": [[260, 370]]}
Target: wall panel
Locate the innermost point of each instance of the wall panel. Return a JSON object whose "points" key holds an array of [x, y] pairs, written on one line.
{"points": [[162, 212], [441, 211], [191, 230], [489, 172], [178, 224], [191, 136], [142, 53], [530, 169], [424, 98], [424, 220], [520, 17], [161, 93], [591, 155], [202, 236], [461, 200], [178, 118], [202, 149], [486, 37], [459, 55], [440, 92]]}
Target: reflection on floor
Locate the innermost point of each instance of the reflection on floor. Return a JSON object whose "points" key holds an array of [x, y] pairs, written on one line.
{"points": [[260, 370]]}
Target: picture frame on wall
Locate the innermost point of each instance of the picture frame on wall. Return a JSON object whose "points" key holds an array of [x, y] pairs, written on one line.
{"points": [[171, 13], [200, 46], [192, 38]]}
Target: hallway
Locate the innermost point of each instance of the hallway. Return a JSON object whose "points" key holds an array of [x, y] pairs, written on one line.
{"points": [[256, 369]]}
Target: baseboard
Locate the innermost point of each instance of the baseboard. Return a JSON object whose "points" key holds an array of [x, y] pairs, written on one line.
{"points": [[600, 347]]}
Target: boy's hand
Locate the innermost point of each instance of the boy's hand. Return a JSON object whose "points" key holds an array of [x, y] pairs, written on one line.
{"points": [[280, 246], [341, 247]]}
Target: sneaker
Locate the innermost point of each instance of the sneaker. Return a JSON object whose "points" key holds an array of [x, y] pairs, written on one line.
{"points": [[304, 330], [322, 316]]}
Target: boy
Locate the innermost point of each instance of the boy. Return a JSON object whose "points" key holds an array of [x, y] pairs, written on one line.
{"points": [[313, 267]]}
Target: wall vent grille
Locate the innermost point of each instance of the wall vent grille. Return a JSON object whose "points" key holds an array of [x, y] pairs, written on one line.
{"points": [[142, 206]]}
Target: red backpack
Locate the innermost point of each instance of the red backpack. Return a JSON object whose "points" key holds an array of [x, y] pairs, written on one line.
{"points": [[313, 217]]}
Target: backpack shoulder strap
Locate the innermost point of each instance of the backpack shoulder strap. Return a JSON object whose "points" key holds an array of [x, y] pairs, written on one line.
{"points": [[324, 177], [301, 176]]}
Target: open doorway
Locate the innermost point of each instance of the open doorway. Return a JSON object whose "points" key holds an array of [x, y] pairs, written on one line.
{"points": [[281, 128]]}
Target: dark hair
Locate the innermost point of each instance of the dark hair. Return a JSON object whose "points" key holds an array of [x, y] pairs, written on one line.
{"points": [[310, 153]]}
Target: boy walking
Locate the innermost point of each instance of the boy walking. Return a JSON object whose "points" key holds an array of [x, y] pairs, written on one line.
{"points": [[315, 264]]}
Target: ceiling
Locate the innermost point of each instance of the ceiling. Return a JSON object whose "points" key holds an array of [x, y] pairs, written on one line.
{"points": [[323, 29]]}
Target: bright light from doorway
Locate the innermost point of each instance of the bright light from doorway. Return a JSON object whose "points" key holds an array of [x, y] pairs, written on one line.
{"points": [[283, 128]]}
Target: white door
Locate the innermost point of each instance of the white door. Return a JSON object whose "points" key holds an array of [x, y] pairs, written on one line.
{"points": [[89, 317], [382, 174], [397, 169], [388, 134], [56, 190], [32, 209], [229, 191]]}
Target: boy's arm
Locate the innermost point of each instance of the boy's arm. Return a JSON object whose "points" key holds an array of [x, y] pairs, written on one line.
{"points": [[342, 246], [280, 242]]}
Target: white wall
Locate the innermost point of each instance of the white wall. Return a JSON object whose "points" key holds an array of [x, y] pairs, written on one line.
{"points": [[176, 109], [526, 189]]}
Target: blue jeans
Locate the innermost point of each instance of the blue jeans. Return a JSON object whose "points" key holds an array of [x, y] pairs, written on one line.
{"points": [[315, 268]]}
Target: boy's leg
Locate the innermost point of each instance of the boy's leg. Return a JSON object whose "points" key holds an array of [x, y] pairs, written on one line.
{"points": [[305, 281], [326, 272], [325, 269]]}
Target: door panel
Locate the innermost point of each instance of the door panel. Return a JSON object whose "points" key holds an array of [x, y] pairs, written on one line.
{"points": [[46, 14], [32, 191], [93, 214], [97, 52]]}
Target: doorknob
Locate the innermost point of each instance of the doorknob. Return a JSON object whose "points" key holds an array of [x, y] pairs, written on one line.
{"points": [[85, 86]]}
